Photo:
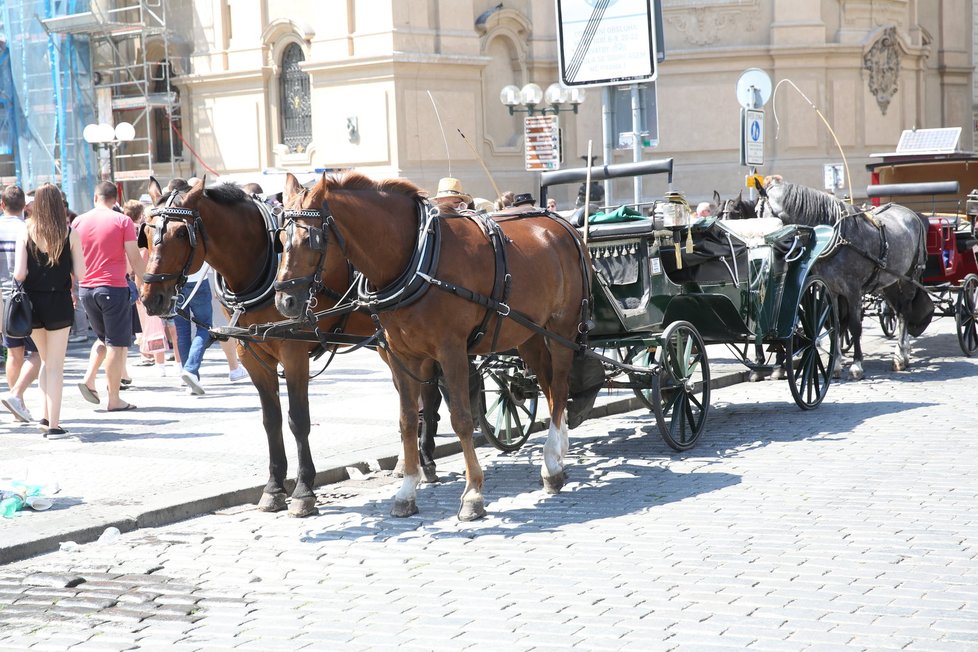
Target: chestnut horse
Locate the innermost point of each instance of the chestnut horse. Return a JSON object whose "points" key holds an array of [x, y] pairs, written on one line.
{"points": [[442, 290], [228, 229]]}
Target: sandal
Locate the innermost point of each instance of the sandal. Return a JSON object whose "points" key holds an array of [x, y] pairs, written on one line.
{"points": [[88, 393]]}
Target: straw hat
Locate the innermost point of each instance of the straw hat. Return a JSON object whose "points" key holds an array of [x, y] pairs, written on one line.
{"points": [[451, 188]]}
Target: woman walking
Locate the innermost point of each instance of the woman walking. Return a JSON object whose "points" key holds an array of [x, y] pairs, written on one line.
{"points": [[45, 259]]}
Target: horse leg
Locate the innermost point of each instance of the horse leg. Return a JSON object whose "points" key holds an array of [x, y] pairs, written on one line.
{"points": [[756, 375], [901, 357], [456, 369], [856, 330], [779, 372], [430, 401], [296, 365], [273, 497], [408, 391], [552, 368]]}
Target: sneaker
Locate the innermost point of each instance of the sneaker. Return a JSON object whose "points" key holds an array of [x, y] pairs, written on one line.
{"points": [[160, 370], [74, 339], [16, 407], [193, 382], [239, 373]]}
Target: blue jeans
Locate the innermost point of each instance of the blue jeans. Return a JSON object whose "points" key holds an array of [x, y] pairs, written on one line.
{"points": [[192, 348]]}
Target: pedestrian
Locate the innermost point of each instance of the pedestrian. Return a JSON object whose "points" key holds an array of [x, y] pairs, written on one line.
{"points": [[194, 338], [23, 362], [236, 370], [551, 204], [505, 200], [108, 241], [704, 209], [47, 255]]}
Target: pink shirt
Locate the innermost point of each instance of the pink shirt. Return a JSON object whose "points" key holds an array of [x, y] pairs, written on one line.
{"points": [[104, 234]]}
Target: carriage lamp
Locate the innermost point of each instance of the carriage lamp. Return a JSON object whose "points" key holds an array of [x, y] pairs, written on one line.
{"points": [[531, 99], [104, 137]]}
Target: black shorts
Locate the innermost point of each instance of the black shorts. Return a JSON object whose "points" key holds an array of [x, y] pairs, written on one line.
{"points": [[52, 310], [109, 314]]}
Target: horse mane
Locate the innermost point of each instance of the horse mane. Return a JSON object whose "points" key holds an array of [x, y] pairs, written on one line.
{"points": [[353, 181], [226, 194], [804, 205]]}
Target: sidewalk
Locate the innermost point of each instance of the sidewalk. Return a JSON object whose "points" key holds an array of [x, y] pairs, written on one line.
{"points": [[179, 455]]}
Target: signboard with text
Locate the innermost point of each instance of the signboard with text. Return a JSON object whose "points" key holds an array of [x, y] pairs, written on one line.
{"points": [[542, 142], [752, 137], [606, 42]]}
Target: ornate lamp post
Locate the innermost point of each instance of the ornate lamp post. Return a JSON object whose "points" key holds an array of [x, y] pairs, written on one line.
{"points": [[532, 100], [104, 137]]}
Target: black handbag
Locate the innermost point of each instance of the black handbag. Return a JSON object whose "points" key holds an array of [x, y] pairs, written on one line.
{"points": [[18, 314]]}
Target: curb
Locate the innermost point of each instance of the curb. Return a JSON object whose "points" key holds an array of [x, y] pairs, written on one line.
{"points": [[170, 514]]}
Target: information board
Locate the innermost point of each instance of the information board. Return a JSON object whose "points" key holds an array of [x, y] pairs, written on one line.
{"points": [[542, 142], [752, 137], [606, 42]]}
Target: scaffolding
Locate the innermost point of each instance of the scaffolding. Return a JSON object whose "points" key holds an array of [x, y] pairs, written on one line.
{"points": [[132, 74], [43, 101], [114, 62]]}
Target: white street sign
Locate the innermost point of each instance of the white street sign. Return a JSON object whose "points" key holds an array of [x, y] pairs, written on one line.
{"points": [[605, 42], [753, 137]]}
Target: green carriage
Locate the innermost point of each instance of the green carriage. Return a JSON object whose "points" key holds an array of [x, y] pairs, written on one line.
{"points": [[664, 289]]}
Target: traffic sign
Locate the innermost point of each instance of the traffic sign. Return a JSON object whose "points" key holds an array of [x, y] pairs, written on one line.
{"points": [[752, 137], [606, 42], [542, 142]]}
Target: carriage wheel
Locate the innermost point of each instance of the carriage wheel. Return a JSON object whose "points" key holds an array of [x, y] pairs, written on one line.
{"points": [[682, 390], [508, 407], [813, 345], [966, 314], [888, 319], [641, 356]]}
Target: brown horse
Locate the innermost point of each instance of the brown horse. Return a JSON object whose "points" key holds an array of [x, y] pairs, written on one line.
{"points": [[442, 291], [225, 227]]}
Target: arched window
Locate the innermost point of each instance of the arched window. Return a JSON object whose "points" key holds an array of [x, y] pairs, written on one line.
{"points": [[295, 104]]}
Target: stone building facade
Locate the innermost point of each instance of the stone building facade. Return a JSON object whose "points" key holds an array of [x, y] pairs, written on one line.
{"points": [[388, 86]]}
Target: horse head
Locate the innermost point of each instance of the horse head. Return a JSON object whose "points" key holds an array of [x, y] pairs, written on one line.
{"points": [[302, 239], [174, 241], [735, 209]]}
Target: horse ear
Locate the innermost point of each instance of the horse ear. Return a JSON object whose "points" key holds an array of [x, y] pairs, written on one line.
{"points": [[202, 182], [292, 187], [154, 190], [716, 198]]}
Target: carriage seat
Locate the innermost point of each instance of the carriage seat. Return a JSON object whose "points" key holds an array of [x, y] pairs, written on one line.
{"points": [[753, 231]]}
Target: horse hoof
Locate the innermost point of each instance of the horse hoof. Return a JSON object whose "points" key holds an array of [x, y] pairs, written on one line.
{"points": [[855, 375], [899, 366], [554, 483], [430, 474], [404, 508], [755, 377], [779, 374], [272, 502], [302, 507], [472, 511]]}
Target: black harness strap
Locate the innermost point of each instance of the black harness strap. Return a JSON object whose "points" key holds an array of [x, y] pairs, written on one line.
{"points": [[502, 280]]}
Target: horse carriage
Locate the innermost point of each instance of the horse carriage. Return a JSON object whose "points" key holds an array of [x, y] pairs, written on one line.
{"points": [[438, 291], [943, 188]]}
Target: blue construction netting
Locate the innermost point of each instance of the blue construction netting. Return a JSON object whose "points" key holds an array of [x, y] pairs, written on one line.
{"points": [[46, 99]]}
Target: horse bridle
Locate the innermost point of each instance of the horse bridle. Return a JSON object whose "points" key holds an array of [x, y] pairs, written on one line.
{"points": [[190, 218]]}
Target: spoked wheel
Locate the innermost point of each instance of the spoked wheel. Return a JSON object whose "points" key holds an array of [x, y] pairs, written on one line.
{"points": [[682, 390], [641, 356], [966, 314], [813, 346], [509, 402], [888, 320]]}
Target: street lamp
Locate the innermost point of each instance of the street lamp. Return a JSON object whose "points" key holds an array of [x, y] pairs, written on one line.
{"points": [[104, 137], [531, 99]]}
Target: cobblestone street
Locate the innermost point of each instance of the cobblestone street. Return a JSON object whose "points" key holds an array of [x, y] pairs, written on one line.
{"points": [[849, 527]]}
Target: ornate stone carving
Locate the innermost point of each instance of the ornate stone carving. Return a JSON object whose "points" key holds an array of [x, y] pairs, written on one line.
{"points": [[706, 25], [883, 63]]}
